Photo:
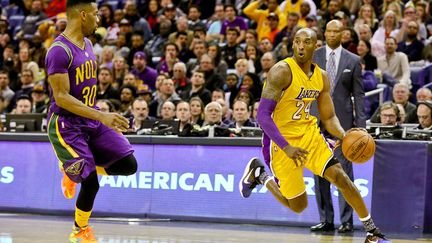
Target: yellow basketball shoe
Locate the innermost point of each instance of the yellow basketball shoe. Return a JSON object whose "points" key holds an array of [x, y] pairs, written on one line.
{"points": [[84, 234], [68, 187]]}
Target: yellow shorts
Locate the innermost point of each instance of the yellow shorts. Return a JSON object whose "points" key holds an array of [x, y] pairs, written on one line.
{"points": [[291, 177]]}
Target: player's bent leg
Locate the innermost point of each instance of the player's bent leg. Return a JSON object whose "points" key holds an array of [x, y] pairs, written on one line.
{"points": [[337, 176], [84, 205], [125, 166]]}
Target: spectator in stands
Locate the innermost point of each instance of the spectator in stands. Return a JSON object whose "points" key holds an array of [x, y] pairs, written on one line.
{"points": [[105, 89], [214, 51], [402, 114], [364, 32], [130, 79], [194, 15], [350, 40], [235, 22], [252, 83], [388, 27], [29, 25], [333, 7], [159, 80], [199, 49], [422, 94], [181, 41], [273, 27], [151, 15], [38, 51], [364, 51], [137, 44], [245, 96], [140, 113], [166, 65], [305, 10], [226, 111], [213, 80], [144, 92], [254, 12], [197, 88], [311, 21], [265, 45], [5, 92], [25, 62], [167, 93], [367, 16], [411, 46], [215, 25], [241, 114], [8, 66], [217, 94], [253, 57], [121, 46], [424, 110], [395, 64], [138, 23], [119, 70], [142, 71], [255, 110], [232, 49], [40, 99], [197, 111], [168, 111], [267, 61], [27, 83], [212, 114], [251, 37], [183, 114], [106, 15], [409, 14], [23, 105], [156, 43], [127, 96], [389, 114], [106, 59], [231, 87], [401, 96], [182, 26], [173, 14], [241, 68], [423, 16], [105, 105], [181, 81], [55, 7]]}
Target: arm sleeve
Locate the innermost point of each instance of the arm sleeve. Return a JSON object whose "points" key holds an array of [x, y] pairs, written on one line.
{"points": [[57, 60], [264, 118]]}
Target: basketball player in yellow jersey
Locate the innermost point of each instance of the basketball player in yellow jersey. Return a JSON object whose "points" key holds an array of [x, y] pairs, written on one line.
{"points": [[292, 138]]}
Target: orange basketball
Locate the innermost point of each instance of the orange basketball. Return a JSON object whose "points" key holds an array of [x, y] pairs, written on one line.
{"points": [[358, 146]]}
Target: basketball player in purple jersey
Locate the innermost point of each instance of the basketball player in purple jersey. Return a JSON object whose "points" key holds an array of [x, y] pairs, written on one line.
{"points": [[85, 140]]}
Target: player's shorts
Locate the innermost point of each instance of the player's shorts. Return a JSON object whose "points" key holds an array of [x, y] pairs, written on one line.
{"points": [[80, 144], [290, 177]]}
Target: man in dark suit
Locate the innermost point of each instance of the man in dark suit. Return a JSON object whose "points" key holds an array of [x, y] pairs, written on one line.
{"points": [[344, 71]]}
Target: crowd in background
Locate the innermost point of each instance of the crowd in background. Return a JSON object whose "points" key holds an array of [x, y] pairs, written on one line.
{"points": [[204, 62]]}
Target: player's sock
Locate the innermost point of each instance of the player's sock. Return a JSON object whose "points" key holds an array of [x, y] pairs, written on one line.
{"points": [[81, 217], [368, 224], [101, 171], [263, 177]]}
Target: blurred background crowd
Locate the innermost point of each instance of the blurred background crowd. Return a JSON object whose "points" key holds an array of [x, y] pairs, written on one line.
{"points": [[204, 62]]}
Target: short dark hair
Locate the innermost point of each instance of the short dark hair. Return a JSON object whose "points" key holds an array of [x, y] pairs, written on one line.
{"points": [[73, 3]]}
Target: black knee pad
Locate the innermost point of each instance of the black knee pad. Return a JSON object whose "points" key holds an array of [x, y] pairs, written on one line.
{"points": [[125, 166]]}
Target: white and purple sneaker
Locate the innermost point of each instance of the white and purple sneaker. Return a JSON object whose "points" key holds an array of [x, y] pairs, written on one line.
{"points": [[250, 180]]}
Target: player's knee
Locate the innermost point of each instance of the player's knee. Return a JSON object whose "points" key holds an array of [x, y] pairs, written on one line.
{"points": [[299, 207], [126, 166]]}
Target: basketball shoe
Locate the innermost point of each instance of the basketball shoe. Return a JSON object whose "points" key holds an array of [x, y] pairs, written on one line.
{"points": [[68, 187], [376, 237], [250, 178], [84, 234]]}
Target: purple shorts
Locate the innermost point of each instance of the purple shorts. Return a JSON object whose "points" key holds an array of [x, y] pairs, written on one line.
{"points": [[81, 144]]}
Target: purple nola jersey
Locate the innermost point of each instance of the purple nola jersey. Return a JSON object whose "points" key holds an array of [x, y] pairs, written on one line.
{"points": [[80, 64]]}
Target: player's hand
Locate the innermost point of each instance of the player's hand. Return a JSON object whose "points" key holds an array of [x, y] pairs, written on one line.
{"points": [[299, 155], [115, 121]]}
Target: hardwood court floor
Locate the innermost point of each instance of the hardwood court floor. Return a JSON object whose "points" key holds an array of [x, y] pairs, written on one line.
{"points": [[47, 229]]}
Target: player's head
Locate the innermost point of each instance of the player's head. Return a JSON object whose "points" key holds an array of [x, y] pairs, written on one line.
{"points": [[304, 45], [85, 13]]}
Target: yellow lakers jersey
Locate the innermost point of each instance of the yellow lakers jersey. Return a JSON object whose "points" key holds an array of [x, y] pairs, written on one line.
{"points": [[292, 113]]}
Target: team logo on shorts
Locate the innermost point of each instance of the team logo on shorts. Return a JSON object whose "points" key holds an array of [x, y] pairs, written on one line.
{"points": [[75, 168]]}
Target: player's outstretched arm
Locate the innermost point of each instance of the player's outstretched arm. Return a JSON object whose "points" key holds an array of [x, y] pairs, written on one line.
{"points": [[278, 79], [60, 88], [326, 110]]}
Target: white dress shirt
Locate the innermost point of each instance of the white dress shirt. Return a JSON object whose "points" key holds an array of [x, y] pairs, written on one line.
{"points": [[338, 52]]}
